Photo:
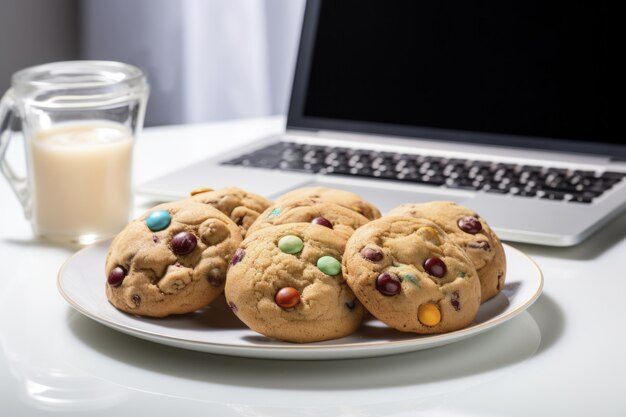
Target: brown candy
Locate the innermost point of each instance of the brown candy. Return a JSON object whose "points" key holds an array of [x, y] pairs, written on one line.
{"points": [[287, 297], [371, 254]]}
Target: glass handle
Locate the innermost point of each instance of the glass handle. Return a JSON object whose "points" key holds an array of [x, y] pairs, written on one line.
{"points": [[18, 183]]}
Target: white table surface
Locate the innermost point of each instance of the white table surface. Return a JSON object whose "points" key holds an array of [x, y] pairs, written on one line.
{"points": [[571, 361]]}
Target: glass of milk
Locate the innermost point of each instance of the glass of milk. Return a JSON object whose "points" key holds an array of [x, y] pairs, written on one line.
{"points": [[78, 120]]}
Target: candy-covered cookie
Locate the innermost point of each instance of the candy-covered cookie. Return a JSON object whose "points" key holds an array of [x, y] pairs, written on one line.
{"points": [[409, 274], [343, 198], [241, 206], [308, 210], [171, 260], [286, 282], [470, 231]]}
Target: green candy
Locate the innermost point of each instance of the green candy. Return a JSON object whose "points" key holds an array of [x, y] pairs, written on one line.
{"points": [[329, 265], [290, 244], [274, 213], [411, 278]]}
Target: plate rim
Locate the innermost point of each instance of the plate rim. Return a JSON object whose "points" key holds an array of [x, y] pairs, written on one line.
{"points": [[432, 339]]}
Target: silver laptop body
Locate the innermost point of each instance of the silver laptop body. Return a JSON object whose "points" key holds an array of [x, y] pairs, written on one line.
{"points": [[580, 180]]}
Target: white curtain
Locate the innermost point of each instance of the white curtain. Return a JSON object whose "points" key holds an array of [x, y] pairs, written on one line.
{"points": [[205, 59]]}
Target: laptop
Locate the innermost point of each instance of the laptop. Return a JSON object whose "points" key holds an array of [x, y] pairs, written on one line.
{"points": [[514, 110]]}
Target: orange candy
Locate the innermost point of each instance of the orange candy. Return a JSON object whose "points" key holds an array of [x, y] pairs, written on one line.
{"points": [[200, 191]]}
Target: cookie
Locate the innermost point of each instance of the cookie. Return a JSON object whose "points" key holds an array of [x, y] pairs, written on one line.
{"points": [[241, 206], [343, 198], [468, 230], [286, 282], [171, 260], [410, 275], [307, 210]]}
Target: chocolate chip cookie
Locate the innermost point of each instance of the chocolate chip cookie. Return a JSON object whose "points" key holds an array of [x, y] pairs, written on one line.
{"points": [[308, 210], [343, 198], [471, 232], [171, 260], [286, 282], [241, 206], [410, 275]]}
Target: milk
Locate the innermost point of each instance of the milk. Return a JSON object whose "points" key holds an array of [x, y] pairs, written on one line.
{"points": [[81, 179]]}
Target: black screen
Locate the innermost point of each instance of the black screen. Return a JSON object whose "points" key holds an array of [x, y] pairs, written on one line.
{"points": [[529, 68]]}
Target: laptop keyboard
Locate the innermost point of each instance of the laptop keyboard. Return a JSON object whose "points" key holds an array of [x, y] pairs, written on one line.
{"points": [[519, 180]]}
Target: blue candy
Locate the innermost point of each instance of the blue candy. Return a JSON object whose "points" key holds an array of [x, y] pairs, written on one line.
{"points": [[158, 220]]}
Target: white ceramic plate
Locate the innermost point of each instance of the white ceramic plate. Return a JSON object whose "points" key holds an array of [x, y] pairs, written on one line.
{"points": [[215, 329]]}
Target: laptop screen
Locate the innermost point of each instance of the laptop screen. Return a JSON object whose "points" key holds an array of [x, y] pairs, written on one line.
{"points": [[527, 73]]}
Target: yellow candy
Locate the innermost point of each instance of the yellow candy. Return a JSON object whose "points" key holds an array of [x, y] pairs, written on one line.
{"points": [[428, 314], [357, 209], [429, 234], [200, 191]]}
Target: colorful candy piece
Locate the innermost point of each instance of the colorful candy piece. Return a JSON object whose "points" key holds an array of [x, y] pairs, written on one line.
{"points": [[388, 284], [322, 221], [372, 254], [411, 278], [329, 265], [287, 297], [470, 224], [430, 234], [200, 191], [184, 243], [116, 276], [158, 220], [428, 314], [274, 213], [435, 267], [238, 256], [290, 244]]}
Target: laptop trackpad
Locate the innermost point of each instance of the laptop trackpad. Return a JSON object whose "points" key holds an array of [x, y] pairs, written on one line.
{"points": [[386, 199]]}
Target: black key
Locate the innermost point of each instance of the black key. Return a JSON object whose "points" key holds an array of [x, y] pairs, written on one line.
{"points": [[527, 193], [424, 179], [581, 199], [497, 191], [553, 195], [613, 175], [291, 166], [531, 168], [584, 173], [562, 171]]}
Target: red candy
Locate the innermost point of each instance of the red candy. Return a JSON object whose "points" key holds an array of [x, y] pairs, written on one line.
{"points": [[322, 221], [371, 254], [184, 243], [388, 283], [116, 276], [469, 224], [238, 256], [435, 267]]}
